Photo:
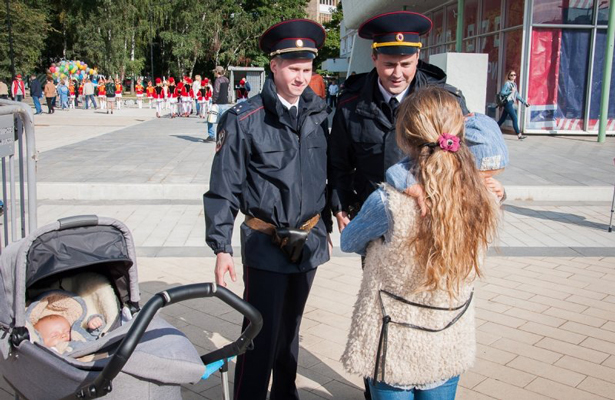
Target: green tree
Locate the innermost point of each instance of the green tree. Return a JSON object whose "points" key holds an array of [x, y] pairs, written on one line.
{"points": [[331, 48], [29, 28]]}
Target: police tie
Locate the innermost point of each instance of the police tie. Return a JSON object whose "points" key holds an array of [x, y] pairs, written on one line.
{"points": [[293, 117], [393, 104]]}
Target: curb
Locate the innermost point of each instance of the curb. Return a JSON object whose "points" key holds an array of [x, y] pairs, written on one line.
{"points": [[162, 191]]}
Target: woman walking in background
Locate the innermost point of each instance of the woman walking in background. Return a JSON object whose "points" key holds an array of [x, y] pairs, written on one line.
{"points": [[50, 94], [413, 331], [511, 94]]}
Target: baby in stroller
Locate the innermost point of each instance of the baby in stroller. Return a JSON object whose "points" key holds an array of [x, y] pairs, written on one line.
{"points": [[57, 314]]}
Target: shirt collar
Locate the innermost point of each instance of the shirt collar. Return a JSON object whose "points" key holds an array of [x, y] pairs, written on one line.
{"points": [[387, 96], [287, 104]]}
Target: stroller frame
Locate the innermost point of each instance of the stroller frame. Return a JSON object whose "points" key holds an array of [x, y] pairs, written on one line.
{"points": [[26, 264]]}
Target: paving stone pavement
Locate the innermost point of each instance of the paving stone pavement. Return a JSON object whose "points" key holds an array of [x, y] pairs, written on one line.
{"points": [[545, 307]]}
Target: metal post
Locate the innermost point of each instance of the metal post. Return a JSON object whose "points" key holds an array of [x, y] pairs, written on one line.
{"points": [[606, 75], [8, 24], [459, 34], [25, 112]]}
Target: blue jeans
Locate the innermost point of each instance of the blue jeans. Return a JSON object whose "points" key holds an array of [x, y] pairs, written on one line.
{"points": [[198, 107], [18, 97], [210, 127], [382, 391], [88, 98], [37, 104], [509, 109]]}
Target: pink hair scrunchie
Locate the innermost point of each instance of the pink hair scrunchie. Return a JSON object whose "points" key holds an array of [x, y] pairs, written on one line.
{"points": [[448, 142]]}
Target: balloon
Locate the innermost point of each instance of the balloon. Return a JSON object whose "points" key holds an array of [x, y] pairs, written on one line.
{"points": [[52, 69]]}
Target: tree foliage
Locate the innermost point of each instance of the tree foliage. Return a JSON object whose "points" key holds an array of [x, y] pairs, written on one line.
{"points": [[30, 28], [125, 37]]}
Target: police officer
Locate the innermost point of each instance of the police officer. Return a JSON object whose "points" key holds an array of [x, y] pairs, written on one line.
{"points": [[362, 144], [270, 164]]}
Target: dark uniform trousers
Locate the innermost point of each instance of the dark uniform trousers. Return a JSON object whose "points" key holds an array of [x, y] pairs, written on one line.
{"points": [[281, 300]]}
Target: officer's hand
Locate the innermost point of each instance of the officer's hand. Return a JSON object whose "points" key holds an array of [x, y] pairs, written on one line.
{"points": [[418, 193], [224, 263], [342, 220], [495, 187]]}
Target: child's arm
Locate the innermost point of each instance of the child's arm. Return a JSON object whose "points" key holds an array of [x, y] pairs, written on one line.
{"points": [[400, 177]]}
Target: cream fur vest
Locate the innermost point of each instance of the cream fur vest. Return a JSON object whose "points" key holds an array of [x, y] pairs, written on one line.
{"points": [[413, 357]]}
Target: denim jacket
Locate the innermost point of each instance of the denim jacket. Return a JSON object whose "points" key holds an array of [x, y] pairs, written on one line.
{"points": [[374, 219]]}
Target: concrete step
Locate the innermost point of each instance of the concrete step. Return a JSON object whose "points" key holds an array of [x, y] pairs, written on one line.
{"points": [[171, 191]]}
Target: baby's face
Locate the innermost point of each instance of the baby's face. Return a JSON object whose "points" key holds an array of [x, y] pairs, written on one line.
{"points": [[53, 330]]}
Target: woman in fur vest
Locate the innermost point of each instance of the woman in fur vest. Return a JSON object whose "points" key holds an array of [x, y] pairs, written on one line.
{"points": [[412, 331]]}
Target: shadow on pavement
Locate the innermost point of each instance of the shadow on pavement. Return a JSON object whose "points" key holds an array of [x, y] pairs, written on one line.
{"points": [[188, 138], [556, 216]]}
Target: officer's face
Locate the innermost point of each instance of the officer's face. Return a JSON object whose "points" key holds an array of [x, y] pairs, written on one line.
{"points": [[291, 77], [396, 72]]}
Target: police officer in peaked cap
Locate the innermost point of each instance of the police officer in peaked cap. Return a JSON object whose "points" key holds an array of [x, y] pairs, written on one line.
{"points": [[270, 164], [362, 145]]}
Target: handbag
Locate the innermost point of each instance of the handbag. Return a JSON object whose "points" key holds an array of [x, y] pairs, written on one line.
{"points": [[212, 114]]}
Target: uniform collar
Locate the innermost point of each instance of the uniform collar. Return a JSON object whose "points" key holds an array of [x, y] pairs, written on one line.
{"points": [[387, 96], [287, 104]]}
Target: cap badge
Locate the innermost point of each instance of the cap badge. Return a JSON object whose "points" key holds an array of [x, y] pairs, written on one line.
{"points": [[399, 37], [299, 43]]}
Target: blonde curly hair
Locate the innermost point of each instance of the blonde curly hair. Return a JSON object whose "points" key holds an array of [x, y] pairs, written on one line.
{"points": [[452, 239]]}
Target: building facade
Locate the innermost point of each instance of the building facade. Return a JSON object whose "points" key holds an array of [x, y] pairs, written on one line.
{"points": [[557, 48], [320, 10]]}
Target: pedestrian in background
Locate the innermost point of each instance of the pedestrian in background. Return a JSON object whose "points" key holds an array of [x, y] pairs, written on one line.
{"points": [[317, 84], [88, 92], [18, 89], [511, 94], [413, 327], [220, 101], [36, 91], [50, 95], [196, 86], [333, 90], [110, 94], [63, 93]]}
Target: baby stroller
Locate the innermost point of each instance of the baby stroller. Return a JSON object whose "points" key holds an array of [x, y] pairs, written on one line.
{"points": [[139, 354]]}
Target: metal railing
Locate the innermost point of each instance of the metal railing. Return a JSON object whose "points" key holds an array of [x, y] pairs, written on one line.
{"points": [[16, 120]]}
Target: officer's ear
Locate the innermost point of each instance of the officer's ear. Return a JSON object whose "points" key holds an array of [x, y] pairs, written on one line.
{"points": [[273, 64]]}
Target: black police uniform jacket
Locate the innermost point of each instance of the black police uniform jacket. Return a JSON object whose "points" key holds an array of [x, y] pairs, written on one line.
{"points": [[362, 145], [269, 170]]}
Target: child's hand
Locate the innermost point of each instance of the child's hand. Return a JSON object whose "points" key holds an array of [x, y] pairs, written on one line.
{"points": [[418, 193], [495, 186], [95, 323]]}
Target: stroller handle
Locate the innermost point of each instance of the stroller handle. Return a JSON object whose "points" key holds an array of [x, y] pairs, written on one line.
{"points": [[102, 384]]}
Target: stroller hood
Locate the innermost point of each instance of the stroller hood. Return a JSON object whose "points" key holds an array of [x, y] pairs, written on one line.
{"points": [[65, 245]]}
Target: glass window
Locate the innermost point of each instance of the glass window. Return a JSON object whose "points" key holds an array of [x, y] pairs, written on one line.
{"points": [[436, 35], [470, 18], [469, 46], [514, 12], [558, 79], [490, 46], [451, 23], [603, 13], [512, 53], [491, 16], [596, 89], [563, 12]]}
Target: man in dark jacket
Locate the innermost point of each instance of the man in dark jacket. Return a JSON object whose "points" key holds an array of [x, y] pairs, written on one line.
{"points": [[270, 164], [36, 91], [362, 144]]}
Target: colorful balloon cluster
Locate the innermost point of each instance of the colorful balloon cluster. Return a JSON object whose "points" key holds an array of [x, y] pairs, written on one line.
{"points": [[71, 69]]}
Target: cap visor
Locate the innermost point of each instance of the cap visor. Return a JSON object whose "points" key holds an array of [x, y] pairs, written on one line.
{"points": [[298, 55], [397, 50]]}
